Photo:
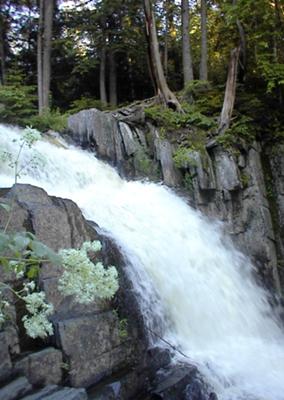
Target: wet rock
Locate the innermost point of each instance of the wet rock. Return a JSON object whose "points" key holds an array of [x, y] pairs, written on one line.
{"points": [[194, 391], [179, 381], [99, 349], [15, 389], [164, 152], [42, 368], [110, 392], [5, 360], [43, 393], [227, 175], [68, 394]]}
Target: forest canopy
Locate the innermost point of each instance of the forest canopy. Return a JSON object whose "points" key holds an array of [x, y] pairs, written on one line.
{"points": [[65, 55]]}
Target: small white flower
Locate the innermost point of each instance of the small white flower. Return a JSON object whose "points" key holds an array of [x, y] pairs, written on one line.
{"points": [[94, 246], [37, 326], [20, 274], [29, 286], [83, 279], [30, 136]]}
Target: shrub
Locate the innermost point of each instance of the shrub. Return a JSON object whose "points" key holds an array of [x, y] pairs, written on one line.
{"points": [[86, 102], [17, 104], [49, 120]]}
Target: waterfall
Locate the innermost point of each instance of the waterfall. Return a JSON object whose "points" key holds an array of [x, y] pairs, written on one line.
{"points": [[188, 276]]}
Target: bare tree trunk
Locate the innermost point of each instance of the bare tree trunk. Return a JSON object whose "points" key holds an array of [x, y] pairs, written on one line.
{"points": [[203, 73], [2, 49], [40, 57], [164, 92], [44, 53], [166, 51], [112, 79], [230, 92], [243, 49], [186, 48], [278, 27], [3, 64], [48, 19], [103, 94]]}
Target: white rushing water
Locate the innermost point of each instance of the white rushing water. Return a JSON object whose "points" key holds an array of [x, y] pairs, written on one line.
{"points": [[210, 307]]}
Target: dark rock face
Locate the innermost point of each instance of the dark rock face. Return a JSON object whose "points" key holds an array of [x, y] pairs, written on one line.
{"points": [[242, 190], [180, 381], [87, 338]]}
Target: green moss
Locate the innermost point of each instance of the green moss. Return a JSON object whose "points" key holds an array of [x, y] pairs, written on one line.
{"points": [[171, 120], [87, 102], [183, 157], [188, 182], [123, 328], [245, 179], [49, 120], [145, 165]]}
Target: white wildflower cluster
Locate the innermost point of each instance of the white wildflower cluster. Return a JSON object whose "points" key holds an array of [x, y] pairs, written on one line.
{"points": [[84, 279], [36, 323], [31, 136]]}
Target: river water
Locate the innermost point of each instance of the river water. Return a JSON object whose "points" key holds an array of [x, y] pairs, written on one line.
{"points": [[194, 287]]}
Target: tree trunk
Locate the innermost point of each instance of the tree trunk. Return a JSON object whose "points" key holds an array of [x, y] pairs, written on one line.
{"points": [[164, 92], [103, 94], [243, 49], [3, 64], [3, 30], [48, 19], [186, 48], [40, 57], [230, 92], [112, 79], [166, 51], [44, 53], [203, 73]]}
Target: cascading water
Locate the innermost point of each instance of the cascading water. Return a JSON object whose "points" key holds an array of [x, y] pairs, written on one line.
{"points": [[208, 302]]}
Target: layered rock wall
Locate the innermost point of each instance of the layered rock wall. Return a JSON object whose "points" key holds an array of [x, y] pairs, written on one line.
{"points": [[244, 190], [87, 346]]}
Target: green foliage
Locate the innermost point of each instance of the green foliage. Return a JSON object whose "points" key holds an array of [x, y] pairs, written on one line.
{"points": [[245, 179], [195, 89], [172, 120], [123, 328], [17, 101], [184, 157], [53, 120], [86, 102], [242, 130], [273, 74], [145, 165], [188, 182]]}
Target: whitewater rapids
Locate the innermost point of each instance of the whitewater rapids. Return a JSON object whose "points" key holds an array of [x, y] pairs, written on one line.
{"points": [[188, 277]]}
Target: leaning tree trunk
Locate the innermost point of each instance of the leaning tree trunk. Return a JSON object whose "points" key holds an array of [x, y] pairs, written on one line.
{"points": [[186, 48], [103, 94], [44, 53], [243, 49], [112, 79], [230, 92], [166, 95], [203, 73]]}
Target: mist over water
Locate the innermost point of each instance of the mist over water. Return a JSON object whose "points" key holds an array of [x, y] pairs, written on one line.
{"points": [[189, 278]]}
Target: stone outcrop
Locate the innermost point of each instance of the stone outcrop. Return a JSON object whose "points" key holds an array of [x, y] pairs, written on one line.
{"points": [[245, 190], [87, 346]]}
